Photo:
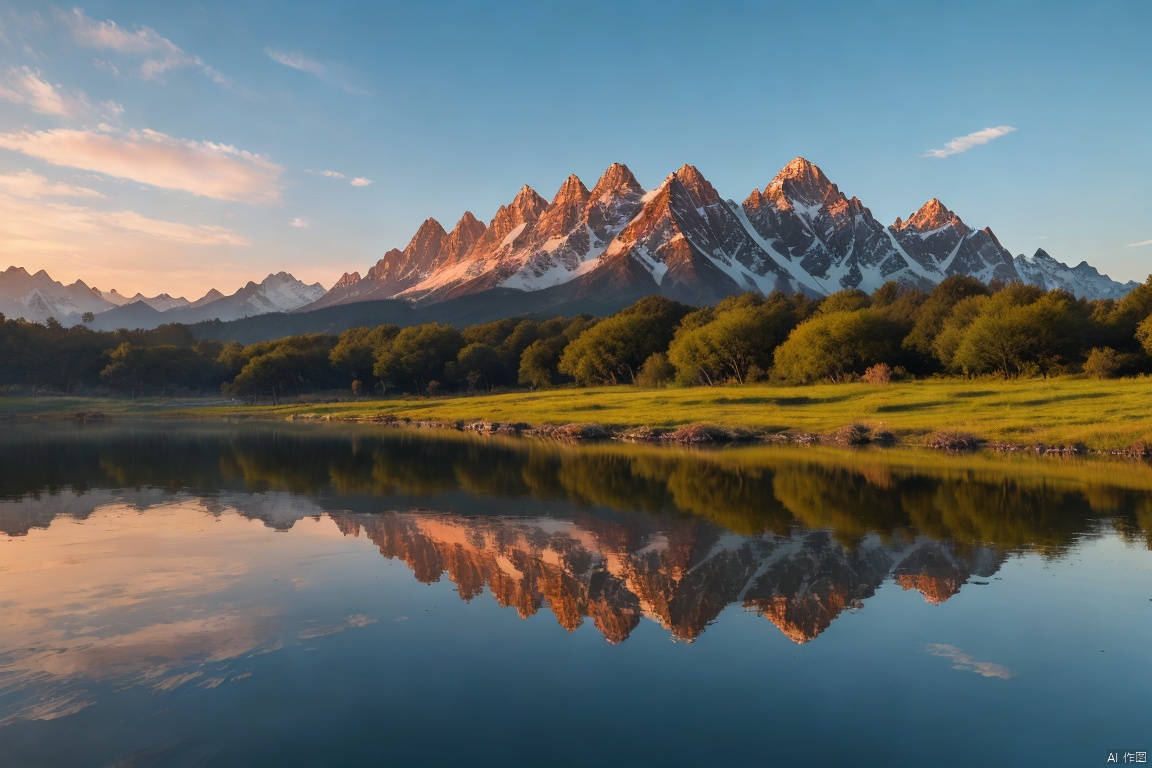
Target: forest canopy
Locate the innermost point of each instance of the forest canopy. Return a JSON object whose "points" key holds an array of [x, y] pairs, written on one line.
{"points": [[960, 328]]}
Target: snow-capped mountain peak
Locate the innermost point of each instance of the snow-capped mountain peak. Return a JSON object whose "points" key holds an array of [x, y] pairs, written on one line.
{"points": [[932, 215]]}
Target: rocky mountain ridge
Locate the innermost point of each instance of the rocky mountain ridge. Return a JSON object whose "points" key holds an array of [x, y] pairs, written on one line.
{"points": [[611, 245], [799, 234]]}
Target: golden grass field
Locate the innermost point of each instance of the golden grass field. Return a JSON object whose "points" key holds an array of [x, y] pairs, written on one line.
{"points": [[1100, 414]]}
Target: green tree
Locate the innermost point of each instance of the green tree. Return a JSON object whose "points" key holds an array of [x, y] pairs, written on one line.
{"points": [[838, 345], [539, 362], [931, 317], [1021, 330], [1144, 334], [947, 340], [476, 365], [295, 364], [735, 341], [418, 355], [844, 301], [357, 349], [656, 371], [612, 351]]}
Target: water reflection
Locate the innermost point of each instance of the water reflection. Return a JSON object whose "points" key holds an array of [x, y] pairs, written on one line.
{"points": [[611, 533], [1015, 504], [678, 572], [191, 558]]}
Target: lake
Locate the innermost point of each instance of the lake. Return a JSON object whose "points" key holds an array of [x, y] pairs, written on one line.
{"points": [[210, 594]]}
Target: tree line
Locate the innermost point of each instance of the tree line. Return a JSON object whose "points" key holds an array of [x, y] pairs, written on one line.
{"points": [[960, 328]]}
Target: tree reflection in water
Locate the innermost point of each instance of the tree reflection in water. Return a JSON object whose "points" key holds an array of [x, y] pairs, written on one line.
{"points": [[613, 532]]}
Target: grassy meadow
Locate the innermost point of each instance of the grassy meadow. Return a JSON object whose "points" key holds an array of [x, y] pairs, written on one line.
{"points": [[1101, 414]]}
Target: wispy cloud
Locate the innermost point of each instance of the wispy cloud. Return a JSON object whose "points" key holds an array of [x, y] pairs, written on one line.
{"points": [[33, 186], [161, 53], [27, 86], [962, 661], [296, 61], [965, 143], [333, 74], [203, 168], [172, 231], [1142, 242], [299, 223], [358, 181], [50, 227]]}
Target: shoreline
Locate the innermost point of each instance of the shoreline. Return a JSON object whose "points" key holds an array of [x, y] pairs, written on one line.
{"points": [[851, 436], [1065, 417]]}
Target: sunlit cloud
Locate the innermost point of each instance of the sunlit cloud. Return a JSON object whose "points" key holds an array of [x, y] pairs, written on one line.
{"points": [[329, 73], [144, 608], [218, 171], [963, 661], [1142, 242], [332, 174], [26, 86], [965, 143], [46, 226], [299, 223], [33, 186], [161, 53], [175, 232], [360, 181]]}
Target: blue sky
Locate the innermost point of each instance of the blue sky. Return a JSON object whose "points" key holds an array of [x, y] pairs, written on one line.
{"points": [[180, 146]]}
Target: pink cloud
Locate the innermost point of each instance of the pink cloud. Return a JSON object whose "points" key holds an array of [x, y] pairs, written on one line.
{"points": [[62, 228], [218, 171], [24, 85], [33, 186]]}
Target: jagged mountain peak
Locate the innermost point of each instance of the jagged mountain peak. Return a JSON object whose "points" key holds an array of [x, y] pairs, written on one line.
{"points": [[346, 280], [697, 185], [932, 215], [467, 221], [800, 171], [428, 238], [430, 226], [463, 236], [571, 191], [616, 178], [801, 182], [800, 168], [529, 202]]}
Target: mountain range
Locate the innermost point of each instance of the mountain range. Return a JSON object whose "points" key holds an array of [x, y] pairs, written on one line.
{"points": [[609, 246], [799, 234], [37, 297]]}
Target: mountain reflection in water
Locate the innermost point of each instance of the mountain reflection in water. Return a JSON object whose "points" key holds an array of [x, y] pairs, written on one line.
{"points": [[609, 533], [309, 594]]}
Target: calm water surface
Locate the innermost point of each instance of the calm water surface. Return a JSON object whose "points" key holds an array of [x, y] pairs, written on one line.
{"points": [[218, 595]]}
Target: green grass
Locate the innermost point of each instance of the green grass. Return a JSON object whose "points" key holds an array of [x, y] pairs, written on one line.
{"points": [[1100, 414]]}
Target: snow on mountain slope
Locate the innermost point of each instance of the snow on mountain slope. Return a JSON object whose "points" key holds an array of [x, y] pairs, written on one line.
{"points": [[1082, 281], [280, 292], [937, 239], [38, 297]]}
